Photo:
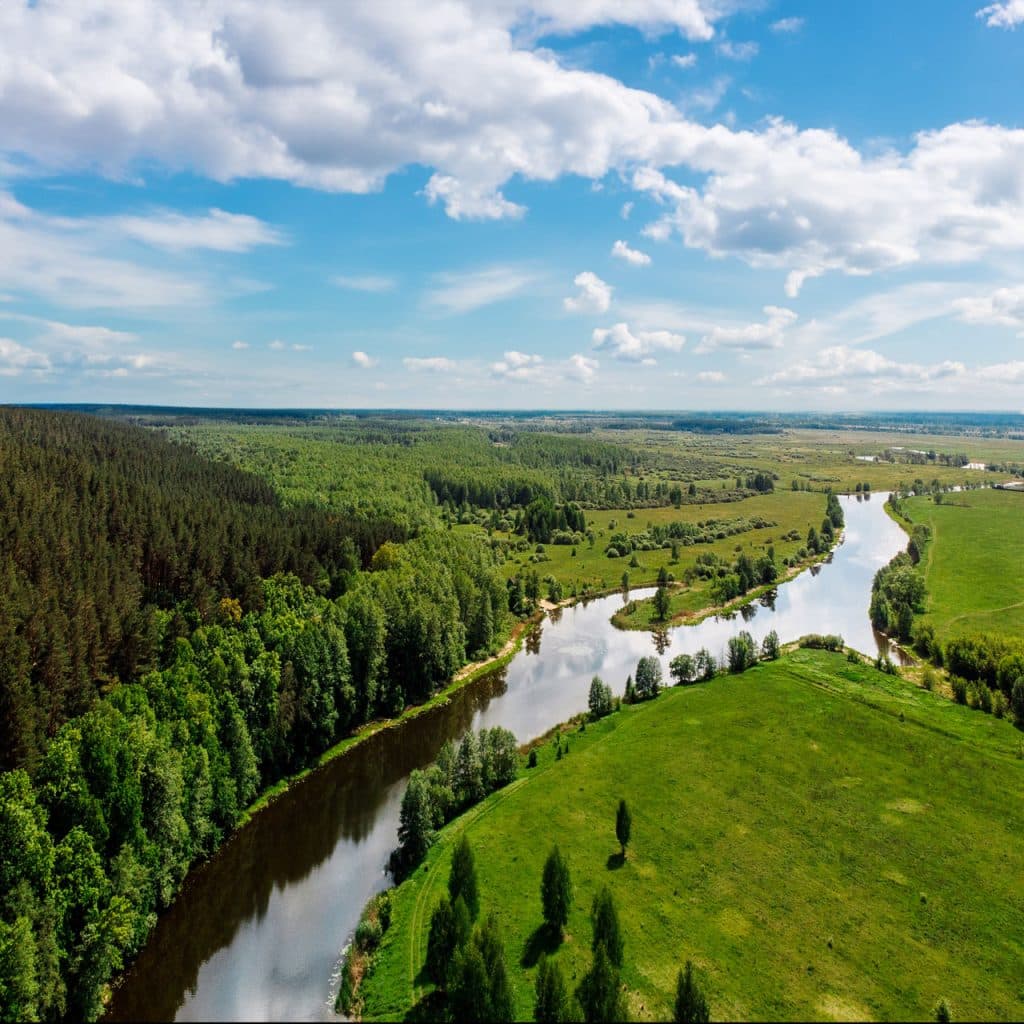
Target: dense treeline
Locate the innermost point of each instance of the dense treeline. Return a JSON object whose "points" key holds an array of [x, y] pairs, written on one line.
{"points": [[236, 680], [104, 525]]}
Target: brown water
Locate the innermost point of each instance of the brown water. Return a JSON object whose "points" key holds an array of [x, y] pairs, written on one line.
{"points": [[256, 933]]}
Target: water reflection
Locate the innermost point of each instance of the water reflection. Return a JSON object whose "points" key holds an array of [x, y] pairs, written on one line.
{"points": [[257, 931]]}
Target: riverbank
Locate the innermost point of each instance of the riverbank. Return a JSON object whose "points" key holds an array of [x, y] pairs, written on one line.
{"points": [[625, 620], [466, 675]]}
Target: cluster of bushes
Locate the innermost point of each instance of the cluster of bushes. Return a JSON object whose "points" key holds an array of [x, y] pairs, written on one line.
{"points": [[819, 642], [676, 534], [897, 592], [460, 777], [987, 673]]}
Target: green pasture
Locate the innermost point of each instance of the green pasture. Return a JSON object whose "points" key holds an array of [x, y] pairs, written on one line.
{"points": [[822, 840]]}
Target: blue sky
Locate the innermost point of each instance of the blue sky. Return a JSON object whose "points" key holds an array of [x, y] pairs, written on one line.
{"points": [[519, 203]]}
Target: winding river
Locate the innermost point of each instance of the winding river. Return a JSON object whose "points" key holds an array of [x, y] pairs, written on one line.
{"points": [[256, 932]]}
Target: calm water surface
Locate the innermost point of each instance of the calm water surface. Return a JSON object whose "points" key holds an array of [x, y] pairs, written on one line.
{"points": [[257, 931]]}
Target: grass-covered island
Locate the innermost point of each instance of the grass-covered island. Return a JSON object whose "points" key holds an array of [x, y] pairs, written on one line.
{"points": [[820, 839]]}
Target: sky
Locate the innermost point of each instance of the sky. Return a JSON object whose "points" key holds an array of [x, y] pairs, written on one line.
{"points": [[487, 204]]}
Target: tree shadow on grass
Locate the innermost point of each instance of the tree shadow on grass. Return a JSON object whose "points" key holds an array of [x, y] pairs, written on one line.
{"points": [[615, 861], [544, 939], [432, 1007]]}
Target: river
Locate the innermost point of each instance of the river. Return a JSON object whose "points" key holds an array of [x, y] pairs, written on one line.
{"points": [[257, 931]]}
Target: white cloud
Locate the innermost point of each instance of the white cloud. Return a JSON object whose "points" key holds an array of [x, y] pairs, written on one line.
{"points": [[844, 367], [1006, 14], [1002, 308], [711, 377], [582, 368], [364, 282], [465, 291], [787, 25], [518, 366], [738, 51], [634, 256], [67, 261], [239, 346], [363, 361], [684, 60], [627, 209], [810, 203], [430, 364], [277, 345], [751, 336], [15, 359], [635, 346], [707, 97], [334, 96], [594, 296], [217, 229]]}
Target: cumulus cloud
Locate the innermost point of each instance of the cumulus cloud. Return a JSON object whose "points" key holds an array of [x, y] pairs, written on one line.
{"points": [[594, 295], [620, 250], [364, 282], [711, 377], [518, 366], [430, 364], [635, 346], [684, 60], [787, 25], [583, 368], [239, 346], [363, 361], [627, 209], [747, 337], [1006, 14], [809, 202], [842, 367], [1002, 308], [15, 359], [465, 291]]}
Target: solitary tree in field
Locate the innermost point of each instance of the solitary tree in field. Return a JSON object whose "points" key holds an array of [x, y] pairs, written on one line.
{"points": [[462, 880], [623, 826], [770, 646], [662, 603], [648, 678], [691, 1006], [556, 891], [605, 920], [683, 669], [552, 1002]]}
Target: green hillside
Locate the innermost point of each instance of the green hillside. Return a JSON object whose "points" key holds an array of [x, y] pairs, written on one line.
{"points": [[822, 840]]}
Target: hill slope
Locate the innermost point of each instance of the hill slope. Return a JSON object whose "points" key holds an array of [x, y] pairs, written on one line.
{"points": [[822, 841]]}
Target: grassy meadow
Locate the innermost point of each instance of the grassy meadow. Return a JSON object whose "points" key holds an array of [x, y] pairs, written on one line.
{"points": [[822, 840], [974, 569]]}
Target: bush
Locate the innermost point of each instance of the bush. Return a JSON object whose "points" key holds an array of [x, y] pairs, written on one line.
{"points": [[928, 678], [959, 689], [368, 936], [742, 652]]}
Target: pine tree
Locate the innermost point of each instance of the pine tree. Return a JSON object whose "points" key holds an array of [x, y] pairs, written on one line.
{"points": [[556, 891], [605, 920], [623, 825], [552, 1001], [441, 943], [462, 880], [599, 993], [691, 1007]]}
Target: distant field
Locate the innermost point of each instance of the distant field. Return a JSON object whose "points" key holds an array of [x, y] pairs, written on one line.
{"points": [[790, 510], [975, 565], [821, 840]]}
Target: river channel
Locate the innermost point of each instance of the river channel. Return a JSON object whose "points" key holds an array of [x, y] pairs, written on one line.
{"points": [[257, 931]]}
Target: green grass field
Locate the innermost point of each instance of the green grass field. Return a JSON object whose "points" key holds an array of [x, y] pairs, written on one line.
{"points": [[789, 510], [974, 569], [823, 841]]}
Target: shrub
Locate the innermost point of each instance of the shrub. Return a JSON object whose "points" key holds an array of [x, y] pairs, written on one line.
{"points": [[368, 935], [959, 689], [815, 641], [928, 678], [683, 669]]}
